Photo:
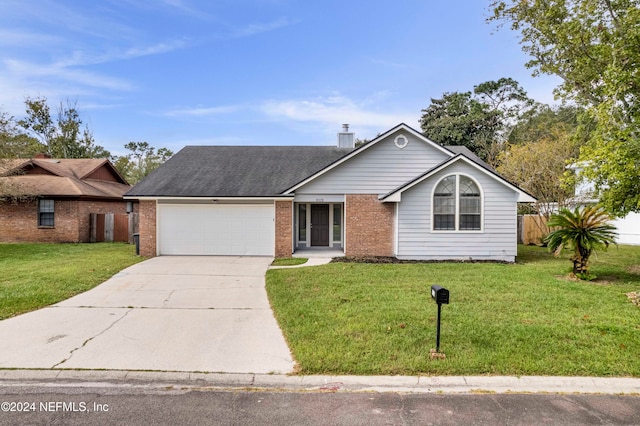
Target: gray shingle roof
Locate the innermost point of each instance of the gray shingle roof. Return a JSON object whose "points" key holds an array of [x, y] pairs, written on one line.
{"points": [[460, 149], [235, 171]]}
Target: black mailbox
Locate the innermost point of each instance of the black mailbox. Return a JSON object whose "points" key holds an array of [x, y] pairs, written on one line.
{"points": [[440, 294]]}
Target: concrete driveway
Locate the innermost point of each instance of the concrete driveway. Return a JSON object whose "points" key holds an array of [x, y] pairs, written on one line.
{"points": [[169, 313]]}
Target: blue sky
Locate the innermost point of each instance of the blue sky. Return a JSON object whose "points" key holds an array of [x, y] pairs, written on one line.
{"points": [[250, 72]]}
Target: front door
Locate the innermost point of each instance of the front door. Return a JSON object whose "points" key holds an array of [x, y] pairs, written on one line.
{"points": [[320, 225]]}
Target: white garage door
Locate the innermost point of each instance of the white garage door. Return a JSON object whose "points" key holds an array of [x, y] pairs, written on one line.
{"points": [[216, 230]]}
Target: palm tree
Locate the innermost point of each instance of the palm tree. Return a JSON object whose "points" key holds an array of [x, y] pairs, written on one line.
{"points": [[585, 230]]}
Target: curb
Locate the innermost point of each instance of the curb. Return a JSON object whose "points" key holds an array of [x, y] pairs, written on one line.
{"points": [[275, 382]]}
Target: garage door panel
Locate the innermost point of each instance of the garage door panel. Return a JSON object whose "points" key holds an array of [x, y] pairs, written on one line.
{"points": [[216, 230]]}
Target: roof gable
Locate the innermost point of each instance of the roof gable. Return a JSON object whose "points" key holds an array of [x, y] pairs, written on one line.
{"points": [[70, 167], [68, 177], [396, 194], [359, 151], [105, 172], [34, 169]]}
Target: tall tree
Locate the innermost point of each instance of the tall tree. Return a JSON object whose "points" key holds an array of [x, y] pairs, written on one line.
{"points": [[479, 120], [62, 137], [539, 167], [15, 143], [142, 160], [506, 97], [593, 46], [544, 121]]}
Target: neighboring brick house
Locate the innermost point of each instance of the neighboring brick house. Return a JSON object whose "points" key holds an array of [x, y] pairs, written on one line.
{"points": [[50, 200], [398, 195]]}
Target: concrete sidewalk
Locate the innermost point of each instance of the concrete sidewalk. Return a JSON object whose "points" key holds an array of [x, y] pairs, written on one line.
{"points": [[277, 382]]}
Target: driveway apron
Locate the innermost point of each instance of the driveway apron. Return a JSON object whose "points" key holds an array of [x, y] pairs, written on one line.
{"points": [[169, 313]]}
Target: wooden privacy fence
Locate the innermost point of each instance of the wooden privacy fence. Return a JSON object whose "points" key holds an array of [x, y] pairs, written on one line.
{"points": [[110, 227], [532, 228]]}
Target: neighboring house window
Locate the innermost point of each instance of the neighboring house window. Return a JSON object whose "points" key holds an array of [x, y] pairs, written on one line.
{"points": [[457, 204], [45, 212]]}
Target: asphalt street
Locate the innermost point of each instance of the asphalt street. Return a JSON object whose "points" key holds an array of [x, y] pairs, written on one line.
{"points": [[142, 405]]}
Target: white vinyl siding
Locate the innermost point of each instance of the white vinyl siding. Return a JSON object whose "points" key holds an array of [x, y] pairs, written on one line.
{"points": [[496, 240], [226, 229], [379, 169]]}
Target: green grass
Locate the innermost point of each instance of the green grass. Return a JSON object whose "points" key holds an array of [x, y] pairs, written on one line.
{"points": [[528, 318], [289, 261], [38, 275]]}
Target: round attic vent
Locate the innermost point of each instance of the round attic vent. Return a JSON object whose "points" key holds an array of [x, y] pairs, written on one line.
{"points": [[401, 141]]}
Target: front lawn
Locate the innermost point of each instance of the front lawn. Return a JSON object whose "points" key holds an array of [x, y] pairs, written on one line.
{"points": [[38, 275], [522, 319]]}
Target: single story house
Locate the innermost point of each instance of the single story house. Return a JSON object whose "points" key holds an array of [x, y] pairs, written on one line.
{"points": [[400, 195], [50, 200]]}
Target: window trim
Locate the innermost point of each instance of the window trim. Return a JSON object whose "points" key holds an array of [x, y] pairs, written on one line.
{"points": [[40, 212], [457, 229]]}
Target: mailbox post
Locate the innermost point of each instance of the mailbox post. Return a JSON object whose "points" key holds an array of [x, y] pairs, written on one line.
{"points": [[440, 295]]}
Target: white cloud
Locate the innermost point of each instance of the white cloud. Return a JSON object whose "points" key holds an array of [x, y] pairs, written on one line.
{"points": [[80, 19], [66, 77], [183, 7], [22, 39], [203, 111], [387, 63], [322, 117], [82, 58], [54, 72], [253, 29], [12, 100], [335, 110], [95, 106], [156, 49]]}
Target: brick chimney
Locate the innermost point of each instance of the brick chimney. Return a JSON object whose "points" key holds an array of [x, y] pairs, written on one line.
{"points": [[346, 139], [42, 155]]}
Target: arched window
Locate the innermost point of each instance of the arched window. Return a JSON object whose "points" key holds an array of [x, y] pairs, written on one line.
{"points": [[457, 204]]}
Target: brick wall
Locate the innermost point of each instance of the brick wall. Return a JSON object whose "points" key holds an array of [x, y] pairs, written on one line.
{"points": [[19, 221], [284, 228], [369, 226], [85, 208], [148, 228]]}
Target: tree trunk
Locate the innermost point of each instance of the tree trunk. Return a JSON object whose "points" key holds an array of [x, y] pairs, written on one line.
{"points": [[581, 261], [578, 266]]}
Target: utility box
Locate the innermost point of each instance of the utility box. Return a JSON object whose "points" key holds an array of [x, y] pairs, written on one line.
{"points": [[440, 294]]}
